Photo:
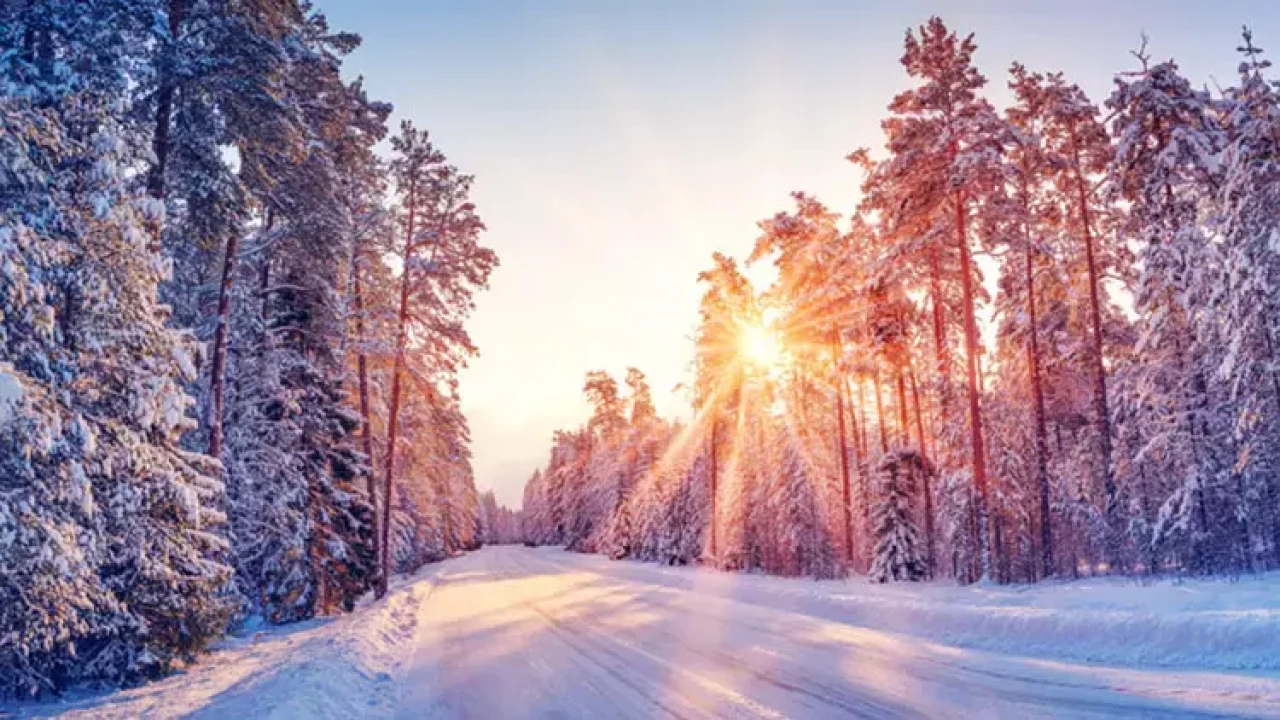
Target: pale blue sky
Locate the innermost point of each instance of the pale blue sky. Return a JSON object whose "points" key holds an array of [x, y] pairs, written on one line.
{"points": [[617, 143]]}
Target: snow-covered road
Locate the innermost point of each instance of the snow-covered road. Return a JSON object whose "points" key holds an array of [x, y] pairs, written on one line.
{"points": [[510, 632], [513, 633]]}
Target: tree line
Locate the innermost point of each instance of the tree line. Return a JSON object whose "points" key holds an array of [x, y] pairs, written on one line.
{"points": [[1041, 344], [230, 332]]}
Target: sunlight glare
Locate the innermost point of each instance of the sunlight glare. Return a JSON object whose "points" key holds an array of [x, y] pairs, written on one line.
{"points": [[761, 346]]}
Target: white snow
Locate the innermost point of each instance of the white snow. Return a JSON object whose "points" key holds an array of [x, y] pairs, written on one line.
{"points": [[10, 392], [512, 632], [1196, 624], [344, 668]]}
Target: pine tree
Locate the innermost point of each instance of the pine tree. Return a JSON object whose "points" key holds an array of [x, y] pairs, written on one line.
{"points": [[1022, 222], [442, 266], [944, 157], [97, 380], [719, 375], [800, 524], [898, 553], [1079, 152], [51, 529], [1249, 196], [1167, 138]]}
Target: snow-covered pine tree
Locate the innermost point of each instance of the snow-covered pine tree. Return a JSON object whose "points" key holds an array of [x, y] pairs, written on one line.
{"points": [[217, 77], [100, 375], [292, 454], [442, 266], [725, 303], [1249, 199], [1020, 218], [944, 156], [52, 599], [1165, 167], [1080, 151], [899, 554], [801, 530]]}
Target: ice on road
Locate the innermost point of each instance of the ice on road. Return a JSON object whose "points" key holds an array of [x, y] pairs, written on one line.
{"points": [[513, 633]]}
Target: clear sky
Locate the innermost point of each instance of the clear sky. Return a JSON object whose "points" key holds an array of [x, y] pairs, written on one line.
{"points": [[617, 143]]}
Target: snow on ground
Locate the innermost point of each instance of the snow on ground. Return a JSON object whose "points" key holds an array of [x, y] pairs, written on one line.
{"points": [[1204, 623], [512, 632], [341, 668]]}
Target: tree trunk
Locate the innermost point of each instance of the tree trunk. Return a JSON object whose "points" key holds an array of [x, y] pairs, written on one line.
{"points": [[860, 428], [1100, 405], [1037, 395], [864, 483], [446, 498], [853, 413], [264, 286], [711, 531], [393, 414], [856, 422], [884, 437], [362, 370], [160, 141], [971, 347], [366, 425], [393, 427], [940, 352], [218, 367], [1269, 486], [929, 559], [843, 441], [904, 426]]}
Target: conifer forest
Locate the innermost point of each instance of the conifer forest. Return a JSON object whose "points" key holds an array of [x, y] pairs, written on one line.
{"points": [[1040, 348]]}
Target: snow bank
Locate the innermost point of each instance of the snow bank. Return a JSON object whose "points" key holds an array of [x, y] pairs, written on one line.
{"points": [[1199, 624], [343, 668]]}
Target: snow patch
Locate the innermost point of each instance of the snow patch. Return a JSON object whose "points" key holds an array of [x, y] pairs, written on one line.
{"points": [[10, 392]]}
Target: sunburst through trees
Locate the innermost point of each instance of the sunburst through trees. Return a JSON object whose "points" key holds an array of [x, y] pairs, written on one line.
{"points": [[853, 416]]}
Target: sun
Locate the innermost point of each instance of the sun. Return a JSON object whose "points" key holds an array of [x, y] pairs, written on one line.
{"points": [[761, 346]]}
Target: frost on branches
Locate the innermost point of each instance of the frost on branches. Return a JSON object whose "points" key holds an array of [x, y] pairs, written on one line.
{"points": [[184, 440], [109, 531]]}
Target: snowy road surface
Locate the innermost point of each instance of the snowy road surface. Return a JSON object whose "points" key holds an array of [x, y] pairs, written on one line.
{"points": [[509, 632]]}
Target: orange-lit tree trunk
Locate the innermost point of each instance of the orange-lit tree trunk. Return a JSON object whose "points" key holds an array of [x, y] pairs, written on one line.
{"points": [[884, 437], [940, 353], [1037, 396], [903, 425], [971, 346], [393, 413], [917, 408], [851, 408], [860, 428], [843, 440]]}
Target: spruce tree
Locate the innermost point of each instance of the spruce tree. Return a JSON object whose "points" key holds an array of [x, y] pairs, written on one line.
{"points": [[898, 554]]}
